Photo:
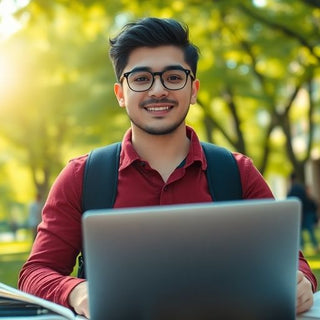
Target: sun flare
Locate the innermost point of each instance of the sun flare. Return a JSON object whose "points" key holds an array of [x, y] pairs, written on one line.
{"points": [[8, 77], [8, 23]]}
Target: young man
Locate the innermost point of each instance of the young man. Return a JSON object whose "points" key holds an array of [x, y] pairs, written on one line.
{"points": [[161, 159]]}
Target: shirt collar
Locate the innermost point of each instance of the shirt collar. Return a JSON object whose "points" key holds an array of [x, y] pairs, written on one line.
{"points": [[196, 153], [129, 155]]}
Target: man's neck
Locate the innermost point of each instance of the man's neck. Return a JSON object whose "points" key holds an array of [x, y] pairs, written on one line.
{"points": [[163, 152]]}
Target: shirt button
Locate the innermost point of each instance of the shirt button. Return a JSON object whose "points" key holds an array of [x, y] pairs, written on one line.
{"points": [[165, 188], [142, 164]]}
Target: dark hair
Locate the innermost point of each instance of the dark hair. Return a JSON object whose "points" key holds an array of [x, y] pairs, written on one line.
{"points": [[151, 32]]}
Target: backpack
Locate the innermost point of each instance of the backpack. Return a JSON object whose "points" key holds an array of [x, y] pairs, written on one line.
{"points": [[100, 180]]}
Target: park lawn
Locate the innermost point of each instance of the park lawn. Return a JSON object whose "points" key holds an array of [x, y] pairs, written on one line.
{"points": [[12, 256], [314, 262], [10, 267]]}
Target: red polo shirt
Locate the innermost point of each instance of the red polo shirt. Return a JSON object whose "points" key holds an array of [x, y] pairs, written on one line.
{"points": [[46, 273]]}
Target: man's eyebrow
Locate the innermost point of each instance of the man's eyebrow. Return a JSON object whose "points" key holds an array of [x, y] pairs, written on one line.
{"points": [[140, 69], [170, 67]]}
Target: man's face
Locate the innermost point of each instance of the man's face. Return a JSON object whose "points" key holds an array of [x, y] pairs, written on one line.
{"points": [[158, 110]]}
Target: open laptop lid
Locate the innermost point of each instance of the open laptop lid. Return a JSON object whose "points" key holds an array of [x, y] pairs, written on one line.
{"points": [[232, 260]]}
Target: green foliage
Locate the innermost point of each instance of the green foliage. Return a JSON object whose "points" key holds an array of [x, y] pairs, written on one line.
{"points": [[57, 94]]}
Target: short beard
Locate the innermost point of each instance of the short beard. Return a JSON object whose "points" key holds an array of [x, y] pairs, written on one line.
{"points": [[160, 131]]}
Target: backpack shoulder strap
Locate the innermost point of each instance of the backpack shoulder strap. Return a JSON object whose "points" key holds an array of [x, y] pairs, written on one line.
{"points": [[100, 178], [100, 183], [222, 173]]}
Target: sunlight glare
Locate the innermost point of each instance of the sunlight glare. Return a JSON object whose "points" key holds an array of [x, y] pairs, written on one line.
{"points": [[8, 24], [259, 3], [7, 77]]}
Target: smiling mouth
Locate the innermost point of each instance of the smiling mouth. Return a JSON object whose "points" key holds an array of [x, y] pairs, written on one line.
{"points": [[158, 109], [158, 105]]}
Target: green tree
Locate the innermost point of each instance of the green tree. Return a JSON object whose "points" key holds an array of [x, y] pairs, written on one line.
{"points": [[259, 72], [62, 91]]}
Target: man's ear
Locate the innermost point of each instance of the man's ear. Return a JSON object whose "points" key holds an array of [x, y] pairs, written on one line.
{"points": [[119, 94], [195, 89]]}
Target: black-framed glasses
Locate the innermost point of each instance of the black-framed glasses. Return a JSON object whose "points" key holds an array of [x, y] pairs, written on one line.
{"points": [[173, 78]]}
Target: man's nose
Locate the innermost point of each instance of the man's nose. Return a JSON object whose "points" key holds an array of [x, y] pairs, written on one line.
{"points": [[157, 87]]}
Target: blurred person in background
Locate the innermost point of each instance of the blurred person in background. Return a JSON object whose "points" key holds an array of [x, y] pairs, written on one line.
{"points": [[309, 217], [34, 215]]}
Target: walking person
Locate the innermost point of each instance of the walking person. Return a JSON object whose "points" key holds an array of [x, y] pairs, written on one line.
{"points": [[310, 220], [34, 216], [309, 210]]}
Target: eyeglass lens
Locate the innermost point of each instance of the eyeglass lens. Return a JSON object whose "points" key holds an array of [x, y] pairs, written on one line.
{"points": [[143, 80]]}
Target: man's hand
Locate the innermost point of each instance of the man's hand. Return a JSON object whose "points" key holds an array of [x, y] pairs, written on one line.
{"points": [[78, 299], [304, 293]]}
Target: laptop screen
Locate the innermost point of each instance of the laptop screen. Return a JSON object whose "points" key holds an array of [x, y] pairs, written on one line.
{"points": [[226, 260]]}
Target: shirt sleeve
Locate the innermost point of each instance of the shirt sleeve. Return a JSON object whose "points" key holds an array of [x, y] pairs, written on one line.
{"points": [[254, 186], [306, 270], [47, 271]]}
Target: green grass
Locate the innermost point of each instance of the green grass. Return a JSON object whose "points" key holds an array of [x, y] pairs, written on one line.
{"points": [[14, 253], [10, 267], [314, 262], [12, 256]]}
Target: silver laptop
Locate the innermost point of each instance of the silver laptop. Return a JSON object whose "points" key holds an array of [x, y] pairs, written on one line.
{"points": [[227, 260]]}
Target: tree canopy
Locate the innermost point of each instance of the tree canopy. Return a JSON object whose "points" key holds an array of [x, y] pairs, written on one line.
{"points": [[259, 73]]}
